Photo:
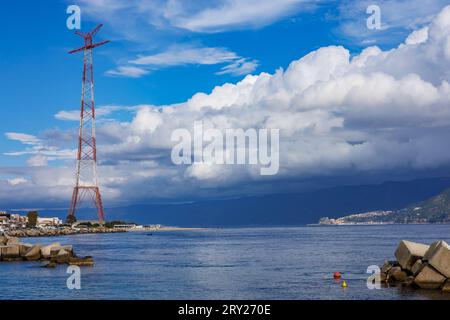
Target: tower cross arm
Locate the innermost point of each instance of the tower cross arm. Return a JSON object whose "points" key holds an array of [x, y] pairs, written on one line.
{"points": [[95, 30], [92, 46]]}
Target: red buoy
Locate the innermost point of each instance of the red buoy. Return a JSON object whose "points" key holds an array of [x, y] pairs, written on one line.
{"points": [[337, 275]]}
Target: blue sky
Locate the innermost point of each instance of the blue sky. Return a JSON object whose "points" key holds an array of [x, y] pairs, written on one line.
{"points": [[40, 79], [178, 48]]}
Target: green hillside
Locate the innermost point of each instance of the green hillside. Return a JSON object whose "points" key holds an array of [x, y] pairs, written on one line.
{"points": [[434, 210]]}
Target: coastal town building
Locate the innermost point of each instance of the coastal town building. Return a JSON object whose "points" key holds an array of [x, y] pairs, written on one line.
{"points": [[54, 222], [18, 218], [4, 220], [10, 221], [15, 221], [4, 216]]}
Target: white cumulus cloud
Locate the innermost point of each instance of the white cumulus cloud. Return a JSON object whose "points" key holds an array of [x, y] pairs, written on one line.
{"points": [[377, 112]]}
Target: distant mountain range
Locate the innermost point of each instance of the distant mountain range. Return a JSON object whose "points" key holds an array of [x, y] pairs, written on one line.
{"points": [[434, 210], [281, 209]]}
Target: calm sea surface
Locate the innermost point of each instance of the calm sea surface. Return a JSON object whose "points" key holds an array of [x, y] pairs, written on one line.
{"points": [[253, 263]]}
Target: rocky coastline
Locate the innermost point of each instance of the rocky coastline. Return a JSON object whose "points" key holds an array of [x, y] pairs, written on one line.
{"points": [[11, 250], [28, 233]]}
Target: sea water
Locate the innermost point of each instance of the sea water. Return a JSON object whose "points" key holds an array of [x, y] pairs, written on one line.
{"points": [[241, 263]]}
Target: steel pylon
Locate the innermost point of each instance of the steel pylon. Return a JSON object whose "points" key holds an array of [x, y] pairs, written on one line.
{"points": [[86, 185]]}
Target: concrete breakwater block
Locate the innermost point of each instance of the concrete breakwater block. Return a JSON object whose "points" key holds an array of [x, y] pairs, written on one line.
{"points": [[33, 254], [46, 251], [431, 249], [7, 240], [62, 256], [419, 266], [10, 252], [24, 247], [11, 249], [439, 257], [396, 274], [429, 278], [408, 253], [388, 265], [12, 241], [68, 248]]}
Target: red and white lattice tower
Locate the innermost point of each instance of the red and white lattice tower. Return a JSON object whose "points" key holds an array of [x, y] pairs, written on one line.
{"points": [[86, 186]]}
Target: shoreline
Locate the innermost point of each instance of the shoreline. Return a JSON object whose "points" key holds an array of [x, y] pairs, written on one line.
{"points": [[169, 228], [380, 224], [37, 233]]}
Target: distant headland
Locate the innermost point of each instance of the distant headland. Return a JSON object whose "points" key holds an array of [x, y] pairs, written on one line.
{"points": [[435, 210]]}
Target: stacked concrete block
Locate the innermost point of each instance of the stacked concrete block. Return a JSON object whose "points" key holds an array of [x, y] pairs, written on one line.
{"points": [[439, 258], [420, 266], [11, 249], [408, 253]]}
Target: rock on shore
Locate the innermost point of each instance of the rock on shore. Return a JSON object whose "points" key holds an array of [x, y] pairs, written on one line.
{"points": [[420, 266], [24, 233], [11, 249]]}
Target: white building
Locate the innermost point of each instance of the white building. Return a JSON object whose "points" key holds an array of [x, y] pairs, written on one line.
{"points": [[49, 221]]}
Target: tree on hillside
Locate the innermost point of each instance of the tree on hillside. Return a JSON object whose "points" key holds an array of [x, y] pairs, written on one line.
{"points": [[32, 219]]}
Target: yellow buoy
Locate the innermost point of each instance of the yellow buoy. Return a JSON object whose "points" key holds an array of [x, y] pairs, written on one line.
{"points": [[344, 284]]}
